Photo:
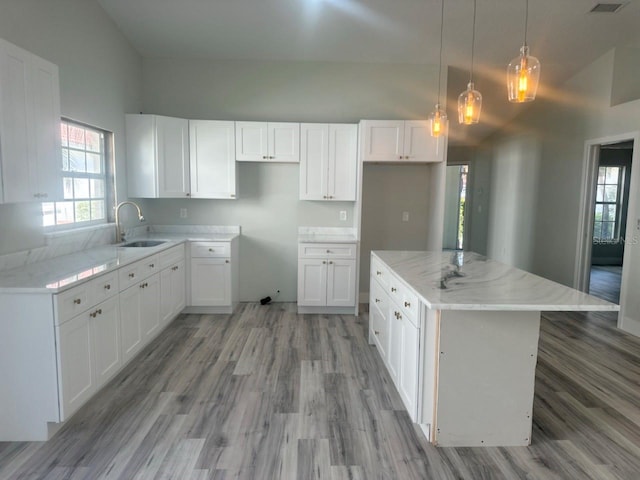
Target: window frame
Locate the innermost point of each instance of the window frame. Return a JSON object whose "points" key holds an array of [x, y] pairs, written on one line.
{"points": [[617, 203], [108, 197]]}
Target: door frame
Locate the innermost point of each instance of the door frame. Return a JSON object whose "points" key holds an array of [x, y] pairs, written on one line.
{"points": [[584, 242]]}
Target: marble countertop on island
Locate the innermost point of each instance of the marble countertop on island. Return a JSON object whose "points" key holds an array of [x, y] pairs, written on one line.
{"points": [[468, 281], [61, 273]]}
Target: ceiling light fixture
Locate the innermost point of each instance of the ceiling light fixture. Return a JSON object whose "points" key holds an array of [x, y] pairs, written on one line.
{"points": [[470, 101], [438, 118], [523, 73]]}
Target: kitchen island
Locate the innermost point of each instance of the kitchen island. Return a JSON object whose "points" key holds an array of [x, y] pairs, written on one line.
{"points": [[459, 335]]}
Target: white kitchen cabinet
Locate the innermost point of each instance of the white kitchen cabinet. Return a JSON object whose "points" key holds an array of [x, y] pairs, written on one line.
{"points": [[214, 276], [157, 156], [75, 354], [326, 276], [30, 150], [150, 308], [328, 161], [379, 329], [105, 332], [398, 141], [213, 159], [408, 385], [130, 328], [268, 142], [395, 343], [172, 284]]}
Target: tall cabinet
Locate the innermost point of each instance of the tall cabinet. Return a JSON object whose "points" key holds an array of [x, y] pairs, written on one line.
{"points": [[30, 150]]}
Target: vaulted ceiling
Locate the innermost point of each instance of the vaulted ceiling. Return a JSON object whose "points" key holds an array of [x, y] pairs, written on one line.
{"points": [[563, 34]]}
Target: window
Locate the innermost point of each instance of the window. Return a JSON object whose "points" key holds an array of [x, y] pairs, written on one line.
{"points": [[84, 178], [606, 225]]}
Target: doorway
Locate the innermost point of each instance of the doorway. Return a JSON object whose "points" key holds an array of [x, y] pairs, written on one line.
{"points": [[611, 207], [455, 207]]}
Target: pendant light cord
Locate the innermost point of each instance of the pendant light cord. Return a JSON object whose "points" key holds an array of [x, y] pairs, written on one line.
{"points": [[441, 30], [473, 41], [526, 21]]}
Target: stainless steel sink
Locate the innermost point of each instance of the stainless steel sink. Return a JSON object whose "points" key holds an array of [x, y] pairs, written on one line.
{"points": [[144, 243]]}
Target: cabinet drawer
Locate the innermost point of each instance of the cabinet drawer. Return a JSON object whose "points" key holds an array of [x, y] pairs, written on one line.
{"points": [[380, 273], [380, 329], [210, 249], [138, 271], [171, 256], [103, 287], [378, 296], [327, 250], [72, 302]]}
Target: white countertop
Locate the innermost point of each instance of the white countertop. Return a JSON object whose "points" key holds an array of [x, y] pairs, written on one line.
{"points": [[326, 235], [61, 273], [468, 281]]}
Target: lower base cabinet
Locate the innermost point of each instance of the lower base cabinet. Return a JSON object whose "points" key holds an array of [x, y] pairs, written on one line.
{"points": [[105, 332]]}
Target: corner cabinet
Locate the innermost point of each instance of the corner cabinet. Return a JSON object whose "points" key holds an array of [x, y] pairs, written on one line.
{"points": [[326, 277], [399, 141], [328, 161], [213, 159], [157, 156], [268, 142], [30, 151]]}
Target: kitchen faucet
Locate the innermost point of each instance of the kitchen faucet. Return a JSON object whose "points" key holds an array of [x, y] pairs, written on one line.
{"points": [[119, 231]]}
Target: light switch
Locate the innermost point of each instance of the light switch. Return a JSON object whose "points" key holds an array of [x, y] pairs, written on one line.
{"points": [[405, 216], [343, 215], [183, 213]]}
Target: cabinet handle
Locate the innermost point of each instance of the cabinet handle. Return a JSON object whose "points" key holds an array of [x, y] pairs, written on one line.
{"points": [[77, 301], [407, 304], [226, 261], [330, 196], [187, 194], [393, 289], [264, 157], [378, 272], [324, 196], [324, 262], [107, 287], [330, 262], [152, 265], [401, 157], [131, 275], [377, 300], [272, 158], [93, 314], [211, 250], [398, 315], [99, 312], [376, 332], [328, 251]]}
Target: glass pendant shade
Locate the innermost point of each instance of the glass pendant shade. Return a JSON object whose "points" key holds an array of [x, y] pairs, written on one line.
{"points": [[523, 74], [469, 105], [438, 122]]}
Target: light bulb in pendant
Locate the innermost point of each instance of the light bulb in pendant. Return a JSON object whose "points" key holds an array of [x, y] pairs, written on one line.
{"points": [[469, 105], [438, 122]]}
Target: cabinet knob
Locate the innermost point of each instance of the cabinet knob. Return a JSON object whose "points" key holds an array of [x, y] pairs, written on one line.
{"points": [[330, 196], [188, 194], [77, 301], [131, 275], [400, 157], [330, 262], [393, 289], [93, 314], [377, 300], [272, 158], [376, 332], [152, 265], [99, 311], [407, 304], [328, 251], [324, 262], [378, 272], [211, 250], [324, 196], [107, 287], [264, 157]]}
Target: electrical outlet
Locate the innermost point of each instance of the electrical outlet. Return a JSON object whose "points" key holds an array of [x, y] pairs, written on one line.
{"points": [[405, 216], [343, 215], [183, 213]]}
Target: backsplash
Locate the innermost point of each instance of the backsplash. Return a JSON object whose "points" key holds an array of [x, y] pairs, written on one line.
{"points": [[60, 243]]}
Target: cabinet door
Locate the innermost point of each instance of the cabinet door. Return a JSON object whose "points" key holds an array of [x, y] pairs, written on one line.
{"points": [[312, 282], [210, 282], [284, 142], [166, 296], [178, 290], [419, 145], [172, 136], [380, 329], [343, 162], [150, 308], [395, 343], [252, 142], [383, 140], [47, 159], [314, 161], [213, 164], [105, 333], [75, 354], [408, 386], [130, 330], [341, 283]]}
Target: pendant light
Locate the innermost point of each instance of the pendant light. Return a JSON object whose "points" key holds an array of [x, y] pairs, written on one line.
{"points": [[470, 101], [438, 118], [523, 72]]}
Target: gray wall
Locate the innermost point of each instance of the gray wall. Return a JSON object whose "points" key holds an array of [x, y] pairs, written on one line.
{"points": [[268, 208], [100, 80]]}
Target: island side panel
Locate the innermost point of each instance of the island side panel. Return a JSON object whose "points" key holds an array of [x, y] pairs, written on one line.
{"points": [[486, 375]]}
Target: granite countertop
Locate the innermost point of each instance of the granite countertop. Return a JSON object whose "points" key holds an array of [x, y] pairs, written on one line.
{"points": [[326, 235], [61, 273], [468, 281]]}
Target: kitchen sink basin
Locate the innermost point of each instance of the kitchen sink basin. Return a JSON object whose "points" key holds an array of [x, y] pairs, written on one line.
{"points": [[144, 243]]}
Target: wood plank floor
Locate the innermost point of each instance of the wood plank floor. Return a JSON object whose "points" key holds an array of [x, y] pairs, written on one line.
{"points": [[269, 394], [604, 282]]}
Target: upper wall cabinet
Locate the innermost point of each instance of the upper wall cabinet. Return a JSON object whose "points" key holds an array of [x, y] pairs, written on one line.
{"points": [[157, 156], [328, 161], [399, 141], [30, 150], [267, 142], [213, 159]]}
